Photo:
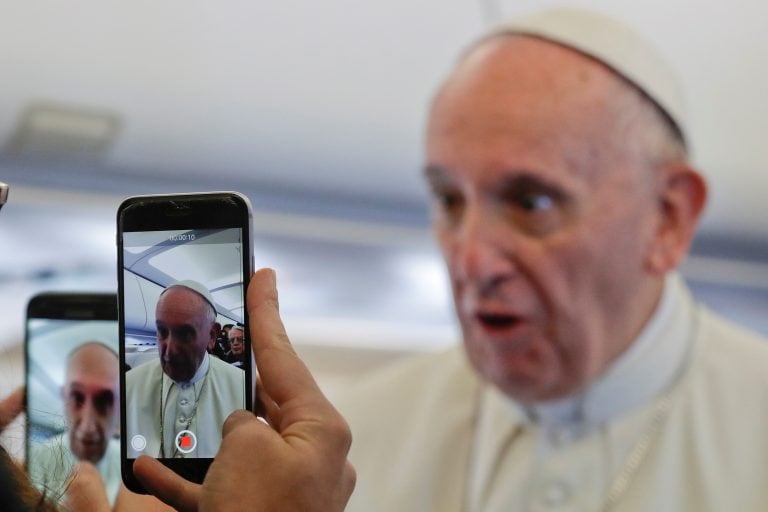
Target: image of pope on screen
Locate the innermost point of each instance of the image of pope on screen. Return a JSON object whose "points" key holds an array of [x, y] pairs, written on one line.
{"points": [[179, 388]]}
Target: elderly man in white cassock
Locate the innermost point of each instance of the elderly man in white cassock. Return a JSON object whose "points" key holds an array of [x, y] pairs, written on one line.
{"points": [[590, 379], [177, 404]]}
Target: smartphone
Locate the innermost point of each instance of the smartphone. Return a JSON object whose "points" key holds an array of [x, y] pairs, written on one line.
{"points": [[184, 261], [72, 386], [3, 194]]}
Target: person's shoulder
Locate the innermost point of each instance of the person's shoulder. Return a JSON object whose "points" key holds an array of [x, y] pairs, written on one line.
{"points": [[428, 368], [51, 445], [49, 463], [142, 372], [113, 450], [409, 385], [726, 340], [411, 424], [225, 367], [722, 405], [49, 454], [732, 355], [231, 377]]}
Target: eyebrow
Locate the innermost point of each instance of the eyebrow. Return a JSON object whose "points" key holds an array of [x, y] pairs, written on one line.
{"points": [[76, 386], [437, 176], [177, 328], [527, 180], [433, 171]]}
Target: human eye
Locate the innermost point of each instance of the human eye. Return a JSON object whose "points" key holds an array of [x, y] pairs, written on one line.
{"points": [[531, 198], [162, 332], [535, 201], [104, 401], [446, 199], [185, 334], [536, 208], [76, 398], [447, 206]]}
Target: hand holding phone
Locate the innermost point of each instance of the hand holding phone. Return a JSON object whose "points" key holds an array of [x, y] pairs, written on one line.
{"points": [[10, 407], [297, 463], [184, 261]]}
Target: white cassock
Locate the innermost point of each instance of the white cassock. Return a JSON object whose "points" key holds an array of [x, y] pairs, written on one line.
{"points": [[200, 406], [679, 422], [50, 465]]}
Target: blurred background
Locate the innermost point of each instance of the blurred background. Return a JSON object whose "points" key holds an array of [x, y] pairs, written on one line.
{"points": [[315, 110]]}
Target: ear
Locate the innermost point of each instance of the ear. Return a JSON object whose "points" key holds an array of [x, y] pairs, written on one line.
{"points": [[214, 334], [682, 196]]}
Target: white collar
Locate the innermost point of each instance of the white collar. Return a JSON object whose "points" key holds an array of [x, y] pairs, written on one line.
{"points": [[649, 366]]}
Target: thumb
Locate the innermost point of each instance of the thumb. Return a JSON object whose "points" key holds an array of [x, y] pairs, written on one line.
{"points": [[86, 490], [166, 485]]}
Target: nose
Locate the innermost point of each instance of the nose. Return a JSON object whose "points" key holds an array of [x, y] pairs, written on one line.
{"points": [[89, 419], [480, 249], [171, 348]]}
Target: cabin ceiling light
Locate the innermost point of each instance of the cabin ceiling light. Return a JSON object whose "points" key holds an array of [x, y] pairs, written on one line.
{"points": [[47, 130]]}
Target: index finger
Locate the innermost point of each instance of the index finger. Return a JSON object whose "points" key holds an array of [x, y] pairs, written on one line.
{"points": [[166, 485], [283, 374], [11, 406]]}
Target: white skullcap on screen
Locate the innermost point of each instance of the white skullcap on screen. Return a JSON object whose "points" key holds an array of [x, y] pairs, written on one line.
{"points": [[614, 44], [196, 287]]}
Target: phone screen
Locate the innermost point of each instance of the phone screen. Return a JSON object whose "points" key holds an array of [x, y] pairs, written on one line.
{"points": [[185, 345], [73, 404]]}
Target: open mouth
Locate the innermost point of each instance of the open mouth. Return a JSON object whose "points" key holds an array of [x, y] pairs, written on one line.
{"points": [[497, 321]]}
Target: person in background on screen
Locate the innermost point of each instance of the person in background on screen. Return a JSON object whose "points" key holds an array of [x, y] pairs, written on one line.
{"points": [[221, 347], [236, 346]]}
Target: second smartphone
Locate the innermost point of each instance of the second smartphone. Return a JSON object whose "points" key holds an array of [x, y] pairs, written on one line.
{"points": [[183, 267], [72, 387]]}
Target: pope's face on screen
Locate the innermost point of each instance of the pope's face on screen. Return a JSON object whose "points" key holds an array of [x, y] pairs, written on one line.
{"points": [[186, 328], [90, 397]]}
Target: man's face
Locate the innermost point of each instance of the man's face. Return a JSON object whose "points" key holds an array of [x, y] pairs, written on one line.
{"points": [[543, 221], [185, 330], [236, 341], [90, 398]]}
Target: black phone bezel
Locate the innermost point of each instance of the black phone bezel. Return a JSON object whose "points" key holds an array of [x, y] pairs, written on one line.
{"points": [[79, 306], [208, 210]]}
